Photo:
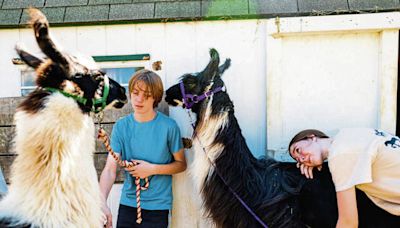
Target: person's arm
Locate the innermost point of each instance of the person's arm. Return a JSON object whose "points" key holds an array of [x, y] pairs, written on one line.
{"points": [[347, 206], [107, 179], [307, 170], [145, 169]]}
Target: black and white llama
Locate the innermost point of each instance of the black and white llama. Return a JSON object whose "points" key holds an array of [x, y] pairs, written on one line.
{"points": [[275, 191], [53, 179]]}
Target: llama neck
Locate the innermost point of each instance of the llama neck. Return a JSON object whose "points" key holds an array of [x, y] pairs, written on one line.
{"points": [[220, 136], [219, 126], [53, 180]]}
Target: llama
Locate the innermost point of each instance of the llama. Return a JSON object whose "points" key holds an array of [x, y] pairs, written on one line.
{"points": [[53, 179], [275, 191]]}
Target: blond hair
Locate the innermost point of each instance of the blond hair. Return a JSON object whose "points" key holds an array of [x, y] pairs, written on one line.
{"points": [[152, 81]]}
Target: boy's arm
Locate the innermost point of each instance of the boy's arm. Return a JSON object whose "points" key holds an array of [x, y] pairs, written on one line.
{"points": [[347, 206], [145, 169], [107, 179]]}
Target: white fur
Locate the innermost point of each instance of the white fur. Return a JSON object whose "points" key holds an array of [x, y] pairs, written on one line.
{"points": [[84, 60], [206, 133], [53, 179]]}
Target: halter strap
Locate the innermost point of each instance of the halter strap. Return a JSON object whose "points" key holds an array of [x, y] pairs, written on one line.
{"points": [[79, 99], [83, 101], [189, 99], [103, 99]]}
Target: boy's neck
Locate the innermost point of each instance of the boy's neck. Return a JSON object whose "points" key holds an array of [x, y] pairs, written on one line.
{"points": [[145, 117]]}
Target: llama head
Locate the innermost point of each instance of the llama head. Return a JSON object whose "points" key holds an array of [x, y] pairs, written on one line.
{"points": [[198, 87], [71, 75]]}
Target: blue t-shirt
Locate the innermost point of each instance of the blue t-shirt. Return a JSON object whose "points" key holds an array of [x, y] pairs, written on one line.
{"points": [[3, 185], [154, 141]]}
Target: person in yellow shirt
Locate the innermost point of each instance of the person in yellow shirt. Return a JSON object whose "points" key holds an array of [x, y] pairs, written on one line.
{"points": [[362, 158]]}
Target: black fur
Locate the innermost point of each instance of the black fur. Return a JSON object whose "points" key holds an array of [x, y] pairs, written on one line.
{"points": [[6, 222], [276, 191]]}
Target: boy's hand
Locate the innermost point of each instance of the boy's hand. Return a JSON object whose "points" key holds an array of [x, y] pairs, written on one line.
{"points": [[307, 170], [107, 217], [142, 169]]}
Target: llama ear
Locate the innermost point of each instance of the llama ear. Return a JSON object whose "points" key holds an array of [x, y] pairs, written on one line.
{"points": [[212, 68], [224, 66], [28, 58], [41, 28]]}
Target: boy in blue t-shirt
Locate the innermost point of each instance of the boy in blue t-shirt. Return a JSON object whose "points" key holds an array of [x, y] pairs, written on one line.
{"points": [[153, 140]]}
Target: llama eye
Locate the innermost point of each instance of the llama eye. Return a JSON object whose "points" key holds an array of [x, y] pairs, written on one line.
{"points": [[98, 77]]}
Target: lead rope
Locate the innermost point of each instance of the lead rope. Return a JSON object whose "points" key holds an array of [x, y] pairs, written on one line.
{"points": [[102, 135]]}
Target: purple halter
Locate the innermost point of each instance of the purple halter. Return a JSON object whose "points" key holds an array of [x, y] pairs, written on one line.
{"points": [[189, 99]]}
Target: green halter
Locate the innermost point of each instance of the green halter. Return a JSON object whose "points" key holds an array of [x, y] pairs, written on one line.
{"points": [[103, 99], [82, 100]]}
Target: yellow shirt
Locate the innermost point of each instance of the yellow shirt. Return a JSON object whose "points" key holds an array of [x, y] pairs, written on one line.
{"points": [[368, 159]]}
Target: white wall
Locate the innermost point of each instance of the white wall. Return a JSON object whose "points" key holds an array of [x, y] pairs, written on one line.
{"points": [[182, 47], [287, 74], [329, 73]]}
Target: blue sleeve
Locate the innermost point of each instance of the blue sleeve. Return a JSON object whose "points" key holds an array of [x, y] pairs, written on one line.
{"points": [[116, 142], [3, 185], [174, 139]]}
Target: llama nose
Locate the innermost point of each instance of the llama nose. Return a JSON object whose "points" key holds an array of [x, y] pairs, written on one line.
{"points": [[123, 98]]}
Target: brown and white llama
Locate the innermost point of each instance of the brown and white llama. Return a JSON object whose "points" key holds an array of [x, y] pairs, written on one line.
{"points": [[223, 166], [53, 179]]}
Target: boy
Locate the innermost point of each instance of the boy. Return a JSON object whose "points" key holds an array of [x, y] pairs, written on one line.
{"points": [[152, 140]]}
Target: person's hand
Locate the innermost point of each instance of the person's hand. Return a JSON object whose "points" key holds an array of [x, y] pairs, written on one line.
{"points": [[307, 170], [107, 217], [142, 169]]}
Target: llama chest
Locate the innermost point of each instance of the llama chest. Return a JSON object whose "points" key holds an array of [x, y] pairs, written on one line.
{"points": [[200, 166], [54, 182], [205, 149]]}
